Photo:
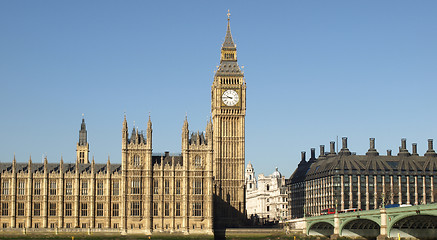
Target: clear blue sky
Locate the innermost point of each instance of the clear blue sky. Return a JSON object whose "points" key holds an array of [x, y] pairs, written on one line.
{"points": [[314, 70]]}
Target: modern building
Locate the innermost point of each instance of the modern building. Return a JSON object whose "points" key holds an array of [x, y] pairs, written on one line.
{"points": [[266, 197], [344, 180], [196, 191]]}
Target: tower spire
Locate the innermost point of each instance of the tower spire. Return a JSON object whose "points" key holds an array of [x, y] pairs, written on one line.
{"points": [[229, 42]]}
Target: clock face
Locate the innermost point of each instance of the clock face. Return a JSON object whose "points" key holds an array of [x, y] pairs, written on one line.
{"points": [[230, 97]]}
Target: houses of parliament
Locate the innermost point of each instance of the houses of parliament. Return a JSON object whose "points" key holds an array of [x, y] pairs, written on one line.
{"points": [[196, 191]]}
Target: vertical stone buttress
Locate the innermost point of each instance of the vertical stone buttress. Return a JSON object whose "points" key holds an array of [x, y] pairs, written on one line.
{"points": [[29, 195], [107, 192], [14, 193], [60, 208], [124, 144], [185, 157]]}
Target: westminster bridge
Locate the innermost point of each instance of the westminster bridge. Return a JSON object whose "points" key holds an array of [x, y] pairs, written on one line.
{"points": [[419, 221]]}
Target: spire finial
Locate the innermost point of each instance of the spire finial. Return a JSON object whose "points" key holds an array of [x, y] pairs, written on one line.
{"points": [[83, 115], [229, 14]]}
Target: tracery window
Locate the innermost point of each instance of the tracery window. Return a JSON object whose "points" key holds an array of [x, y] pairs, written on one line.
{"points": [[5, 187], [197, 161], [137, 160], [115, 188], [21, 188], [53, 187], [68, 188], [166, 186], [136, 186], [37, 188], [100, 187], [197, 186]]}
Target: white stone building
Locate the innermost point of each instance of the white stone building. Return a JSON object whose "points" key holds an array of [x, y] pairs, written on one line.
{"points": [[266, 197]]}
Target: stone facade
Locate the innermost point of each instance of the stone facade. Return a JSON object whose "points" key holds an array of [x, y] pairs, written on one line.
{"points": [[345, 180], [266, 197], [200, 189]]}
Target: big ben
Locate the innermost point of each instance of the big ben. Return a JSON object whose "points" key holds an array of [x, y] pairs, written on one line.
{"points": [[228, 109]]}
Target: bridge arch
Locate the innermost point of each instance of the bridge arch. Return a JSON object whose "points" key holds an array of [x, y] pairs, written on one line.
{"points": [[360, 227], [323, 228], [413, 225]]}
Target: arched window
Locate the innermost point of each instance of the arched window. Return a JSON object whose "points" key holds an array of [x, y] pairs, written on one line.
{"points": [[268, 187], [198, 161]]}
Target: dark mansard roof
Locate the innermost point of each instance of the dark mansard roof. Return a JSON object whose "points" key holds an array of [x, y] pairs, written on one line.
{"points": [[55, 167], [345, 162]]}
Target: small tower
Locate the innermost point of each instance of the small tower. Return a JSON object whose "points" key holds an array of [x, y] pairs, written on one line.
{"points": [[250, 178], [83, 147]]}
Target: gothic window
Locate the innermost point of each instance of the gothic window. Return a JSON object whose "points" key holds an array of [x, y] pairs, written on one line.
{"points": [[52, 209], [68, 209], [137, 160], [115, 209], [99, 212], [166, 209], [250, 185], [81, 157], [115, 188], [197, 209], [155, 187], [68, 188], [84, 209], [250, 177], [37, 188], [166, 186], [53, 187], [197, 161], [136, 186], [21, 189], [5, 209], [268, 187], [135, 209], [178, 187], [178, 209], [20, 208], [84, 188], [100, 187], [5, 187], [36, 209], [155, 209], [197, 186]]}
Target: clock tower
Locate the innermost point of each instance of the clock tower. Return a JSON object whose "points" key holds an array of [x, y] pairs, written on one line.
{"points": [[228, 109]]}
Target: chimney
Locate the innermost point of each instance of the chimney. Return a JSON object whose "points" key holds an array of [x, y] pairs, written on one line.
{"points": [[372, 150], [403, 148], [313, 153], [302, 156], [430, 151], [332, 143], [344, 150], [388, 152], [372, 143], [430, 147], [344, 142], [414, 145], [403, 144], [322, 150]]}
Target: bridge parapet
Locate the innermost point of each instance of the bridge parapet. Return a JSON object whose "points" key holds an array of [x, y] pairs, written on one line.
{"points": [[377, 221]]}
